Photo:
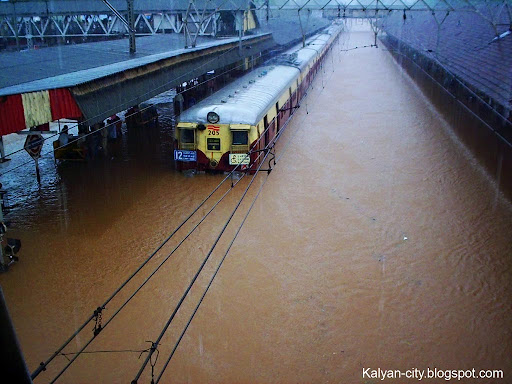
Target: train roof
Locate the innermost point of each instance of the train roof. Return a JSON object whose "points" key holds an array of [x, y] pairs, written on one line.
{"points": [[247, 99]]}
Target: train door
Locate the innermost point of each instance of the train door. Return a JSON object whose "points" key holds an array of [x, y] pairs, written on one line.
{"points": [[289, 104], [267, 129], [278, 118]]}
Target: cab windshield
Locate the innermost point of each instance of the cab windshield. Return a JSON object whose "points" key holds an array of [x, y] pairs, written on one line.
{"points": [[240, 138], [187, 136]]}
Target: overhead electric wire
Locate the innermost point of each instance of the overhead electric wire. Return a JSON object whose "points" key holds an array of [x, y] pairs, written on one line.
{"points": [[105, 351], [142, 285], [205, 260], [211, 281], [43, 365], [274, 140]]}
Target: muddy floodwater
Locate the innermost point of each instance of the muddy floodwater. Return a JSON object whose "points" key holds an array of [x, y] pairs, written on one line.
{"points": [[377, 242]]}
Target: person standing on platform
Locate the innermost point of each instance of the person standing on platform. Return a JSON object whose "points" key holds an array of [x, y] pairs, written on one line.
{"points": [[116, 121], [111, 130], [119, 125], [82, 132], [94, 140], [113, 135], [132, 117], [64, 136], [104, 137], [191, 101], [178, 104]]}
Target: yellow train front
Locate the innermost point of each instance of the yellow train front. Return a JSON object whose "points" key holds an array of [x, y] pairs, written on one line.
{"points": [[213, 146], [231, 126]]}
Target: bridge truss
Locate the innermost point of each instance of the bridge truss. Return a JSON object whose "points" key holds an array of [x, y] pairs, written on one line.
{"points": [[44, 20]]}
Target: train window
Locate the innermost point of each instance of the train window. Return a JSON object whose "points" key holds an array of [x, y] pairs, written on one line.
{"points": [[213, 144], [240, 138], [187, 136]]}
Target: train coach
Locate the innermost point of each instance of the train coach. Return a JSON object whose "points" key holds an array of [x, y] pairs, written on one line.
{"points": [[230, 127]]}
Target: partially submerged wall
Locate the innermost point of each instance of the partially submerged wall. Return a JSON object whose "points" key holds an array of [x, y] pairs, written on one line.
{"points": [[476, 122]]}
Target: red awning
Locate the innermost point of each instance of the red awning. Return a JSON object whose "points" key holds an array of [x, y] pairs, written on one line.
{"points": [[12, 118], [63, 105], [14, 109]]}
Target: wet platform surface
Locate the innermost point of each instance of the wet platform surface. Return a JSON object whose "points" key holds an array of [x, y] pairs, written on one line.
{"points": [[64, 66], [36, 64]]}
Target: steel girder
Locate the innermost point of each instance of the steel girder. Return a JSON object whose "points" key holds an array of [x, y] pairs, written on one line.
{"points": [[85, 18], [104, 25]]}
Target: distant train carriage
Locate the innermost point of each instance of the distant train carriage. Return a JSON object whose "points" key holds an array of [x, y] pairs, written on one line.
{"points": [[229, 127]]}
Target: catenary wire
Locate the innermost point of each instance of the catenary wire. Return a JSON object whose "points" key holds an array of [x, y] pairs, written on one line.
{"points": [[82, 350], [282, 130], [182, 299], [43, 365]]}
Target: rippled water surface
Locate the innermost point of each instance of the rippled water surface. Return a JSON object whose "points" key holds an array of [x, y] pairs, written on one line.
{"points": [[377, 241]]}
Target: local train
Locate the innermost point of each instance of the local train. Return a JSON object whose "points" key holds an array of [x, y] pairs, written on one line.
{"points": [[218, 133]]}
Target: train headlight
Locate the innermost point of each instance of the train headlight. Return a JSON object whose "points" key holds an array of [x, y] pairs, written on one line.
{"points": [[212, 117]]}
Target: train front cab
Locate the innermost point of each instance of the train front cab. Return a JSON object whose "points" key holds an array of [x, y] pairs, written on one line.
{"points": [[185, 148], [216, 147]]}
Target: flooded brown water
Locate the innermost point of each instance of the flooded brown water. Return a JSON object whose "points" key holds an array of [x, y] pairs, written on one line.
{"points": [[378, 241]]}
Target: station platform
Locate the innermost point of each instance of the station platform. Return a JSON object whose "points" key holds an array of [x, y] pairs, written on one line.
{"points": [[92, 81], [31, 69], [71, 65]]}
